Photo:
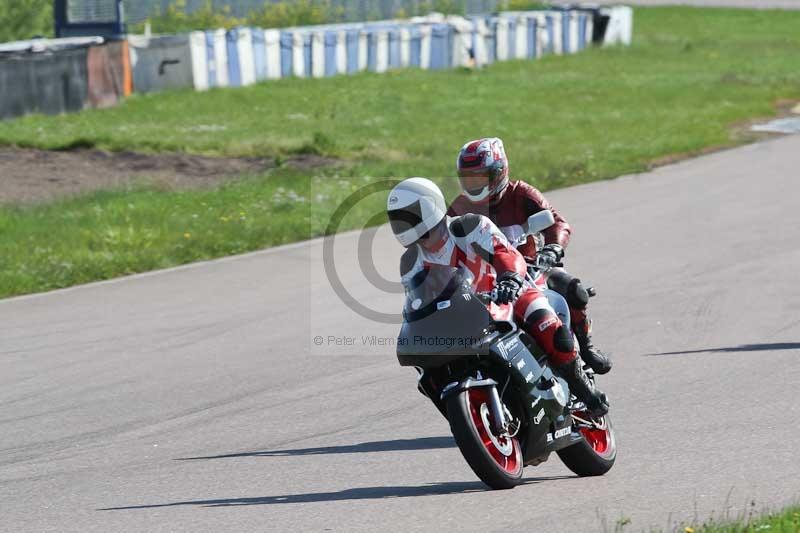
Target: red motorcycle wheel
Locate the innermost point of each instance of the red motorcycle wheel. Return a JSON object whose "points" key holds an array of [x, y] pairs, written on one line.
{"points": [[596, 453], [495, 459]]}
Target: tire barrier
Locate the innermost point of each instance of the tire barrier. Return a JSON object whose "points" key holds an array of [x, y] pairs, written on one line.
{"points": [[243, 56]]}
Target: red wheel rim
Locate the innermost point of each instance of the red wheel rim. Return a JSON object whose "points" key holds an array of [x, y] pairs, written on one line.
{"points": [[512, 462], [600, 438]]}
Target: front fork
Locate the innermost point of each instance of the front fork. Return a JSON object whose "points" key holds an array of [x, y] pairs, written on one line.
{"points": [[500, 422]]}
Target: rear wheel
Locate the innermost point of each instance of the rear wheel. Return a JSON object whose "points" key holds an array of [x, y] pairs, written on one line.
{"points": [[596, 453], [496, 459]]}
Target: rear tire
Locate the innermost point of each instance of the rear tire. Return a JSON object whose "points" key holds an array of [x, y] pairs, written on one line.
{"points": [[595, 454], [496, 460]]}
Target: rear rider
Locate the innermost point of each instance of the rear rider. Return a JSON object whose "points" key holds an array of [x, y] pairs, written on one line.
{"points": [[482, 168]]}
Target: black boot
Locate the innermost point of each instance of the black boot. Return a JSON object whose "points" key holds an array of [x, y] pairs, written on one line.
{"points": [[597, 360], [582, 387]]}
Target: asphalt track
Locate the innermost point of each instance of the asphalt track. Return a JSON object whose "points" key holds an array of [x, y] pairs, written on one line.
{"points": [[195, 399]]}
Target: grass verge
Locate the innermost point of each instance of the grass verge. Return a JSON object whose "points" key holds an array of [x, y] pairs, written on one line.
{"points": [[690, 75], [784, 521]]}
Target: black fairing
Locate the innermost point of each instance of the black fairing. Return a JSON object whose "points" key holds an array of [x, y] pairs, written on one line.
{"points": [[447, 325]]}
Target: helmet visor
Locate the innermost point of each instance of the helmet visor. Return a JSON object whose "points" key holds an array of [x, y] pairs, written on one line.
{"points": [[405, 218]]}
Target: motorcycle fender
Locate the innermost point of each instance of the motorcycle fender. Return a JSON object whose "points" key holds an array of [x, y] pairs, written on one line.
{"points": [[469, 383]]}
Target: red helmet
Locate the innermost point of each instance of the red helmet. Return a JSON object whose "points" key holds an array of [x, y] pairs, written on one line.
{"points": [[483, 158]]}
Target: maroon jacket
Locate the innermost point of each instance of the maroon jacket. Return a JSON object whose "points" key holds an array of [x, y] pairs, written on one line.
{"points": [[511, 210]]}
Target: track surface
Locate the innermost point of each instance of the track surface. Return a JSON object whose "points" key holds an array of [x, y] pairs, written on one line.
{"points": [[195, 400]]}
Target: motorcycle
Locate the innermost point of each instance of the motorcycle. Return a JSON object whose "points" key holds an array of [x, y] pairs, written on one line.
{"points": [[505, 406]]}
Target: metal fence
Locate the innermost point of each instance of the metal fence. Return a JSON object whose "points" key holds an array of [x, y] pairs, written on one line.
{"points": [[354, 10]]}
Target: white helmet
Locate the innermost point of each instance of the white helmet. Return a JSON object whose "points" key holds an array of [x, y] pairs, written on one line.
{"points": [[415, 206]]}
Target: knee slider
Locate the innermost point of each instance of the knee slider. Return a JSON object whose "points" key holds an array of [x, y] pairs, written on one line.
{"points": [[564, 340], [577, 295], [540, 316]]}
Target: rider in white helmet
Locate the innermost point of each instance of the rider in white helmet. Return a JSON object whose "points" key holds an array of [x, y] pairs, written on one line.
{"points": [[417, 215]]}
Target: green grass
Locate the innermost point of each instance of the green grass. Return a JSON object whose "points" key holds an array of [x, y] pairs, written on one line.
{"points": [[785, 521], [690, 75]]}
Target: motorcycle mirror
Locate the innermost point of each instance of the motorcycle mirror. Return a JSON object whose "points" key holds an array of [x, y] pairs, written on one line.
{"points": [[540, 221]]}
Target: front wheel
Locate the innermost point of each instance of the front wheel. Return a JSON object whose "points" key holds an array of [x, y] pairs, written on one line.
{"points": [[596, 453], [496, 459]]}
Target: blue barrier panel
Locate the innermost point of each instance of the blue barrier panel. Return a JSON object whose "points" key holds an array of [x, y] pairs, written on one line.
{"points": [[259, 54], [441, 49], [512, 39], [331, 40], [234, 72], [415, 47], [565, 33], [372, 50], [307, 54], [211, 59], [551, 34], [533, 35], [583, 21], [394, 48], [351, 43], [287, 42]]}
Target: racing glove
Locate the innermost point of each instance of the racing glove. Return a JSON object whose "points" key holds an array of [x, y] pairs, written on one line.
{"points": [[509, 285], [551, 254]]}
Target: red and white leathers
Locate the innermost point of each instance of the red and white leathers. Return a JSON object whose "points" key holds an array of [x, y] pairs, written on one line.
{"points": [[474, 242], [509, 210]]}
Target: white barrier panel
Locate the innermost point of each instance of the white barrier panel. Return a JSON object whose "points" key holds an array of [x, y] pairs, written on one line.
{"points": [[317, 54], [298, 56], [425, 47], [197, 43], [555, 21], [220, 58], [501, 39], [341, 53], [363, 50], [574, 32], [272, 42], [405, 47], [479, 47], [462, 30], [247, 64], [620, 25], [521, 47], [381, 51]]}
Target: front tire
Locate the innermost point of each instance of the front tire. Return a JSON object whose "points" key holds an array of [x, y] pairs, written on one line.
{"points": [[596, 453], [495, 459]]}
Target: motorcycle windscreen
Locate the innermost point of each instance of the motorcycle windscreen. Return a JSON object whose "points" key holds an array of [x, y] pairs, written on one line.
{"points": [[444, 320]]}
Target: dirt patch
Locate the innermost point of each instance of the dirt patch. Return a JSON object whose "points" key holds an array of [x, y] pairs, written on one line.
{"points": [[29, 176]]}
